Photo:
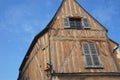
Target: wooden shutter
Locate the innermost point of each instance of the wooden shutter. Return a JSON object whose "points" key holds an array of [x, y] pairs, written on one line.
{"points": [[66, 22], [85, 23]]}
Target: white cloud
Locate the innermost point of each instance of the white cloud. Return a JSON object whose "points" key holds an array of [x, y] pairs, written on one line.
{"points": [[28, 28]]}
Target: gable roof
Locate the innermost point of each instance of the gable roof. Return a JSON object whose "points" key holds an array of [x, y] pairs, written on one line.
{"points": [[47, 28]]}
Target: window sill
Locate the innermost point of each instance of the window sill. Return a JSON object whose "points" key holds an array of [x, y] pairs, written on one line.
{"points": [[94, 67], [87, 29], [78, 28], [74, 28]]}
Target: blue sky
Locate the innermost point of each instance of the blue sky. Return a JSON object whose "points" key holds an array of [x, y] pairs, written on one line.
{"points": [[21, 20]]}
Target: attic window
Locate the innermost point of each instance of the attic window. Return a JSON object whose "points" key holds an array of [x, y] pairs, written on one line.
{"points": [[76, 23]]}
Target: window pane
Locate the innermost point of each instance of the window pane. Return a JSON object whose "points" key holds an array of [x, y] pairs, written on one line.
{"points": [[86, 49], [75, 23], [78, 24], [88, 60], [93, 49], [96, 60], [72, 24]]}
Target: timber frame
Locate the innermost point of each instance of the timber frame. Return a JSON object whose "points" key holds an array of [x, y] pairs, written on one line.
{"points": [[47, 28], [55, 38]]}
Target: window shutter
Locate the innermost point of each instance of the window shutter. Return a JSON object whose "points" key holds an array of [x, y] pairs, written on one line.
{"points": [[66, 23], [85, 23]]}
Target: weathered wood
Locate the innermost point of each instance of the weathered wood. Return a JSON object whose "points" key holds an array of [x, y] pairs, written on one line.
{"points": [[59, 51], [77, 39]]}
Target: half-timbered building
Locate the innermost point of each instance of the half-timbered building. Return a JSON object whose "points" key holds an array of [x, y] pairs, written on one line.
{"points": [[73, 46]]}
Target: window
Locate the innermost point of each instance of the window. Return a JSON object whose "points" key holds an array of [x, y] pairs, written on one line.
{"points": [[91, 56], [76, 23]]}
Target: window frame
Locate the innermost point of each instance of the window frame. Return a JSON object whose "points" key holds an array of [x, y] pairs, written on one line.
{"points": [[75, 22], [82, 23], [93, 66]]}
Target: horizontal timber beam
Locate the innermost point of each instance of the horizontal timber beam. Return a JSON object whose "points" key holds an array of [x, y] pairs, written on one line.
{"points": [[76, 39], [88, 74]]}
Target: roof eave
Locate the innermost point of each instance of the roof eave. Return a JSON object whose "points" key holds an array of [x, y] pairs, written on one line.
{"points": [[114, 42], [38, 35]]}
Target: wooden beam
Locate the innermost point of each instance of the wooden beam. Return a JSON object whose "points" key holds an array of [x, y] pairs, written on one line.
{"points": [[76, 39]]}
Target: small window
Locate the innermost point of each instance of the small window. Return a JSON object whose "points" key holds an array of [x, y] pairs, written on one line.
{"points": [[76, 23], [91, 56]]}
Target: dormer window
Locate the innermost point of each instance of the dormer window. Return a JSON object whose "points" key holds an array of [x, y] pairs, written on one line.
{"points": [[76, 23]]}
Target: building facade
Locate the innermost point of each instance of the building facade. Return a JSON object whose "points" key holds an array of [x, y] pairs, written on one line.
{"points": [[73, 46]]}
